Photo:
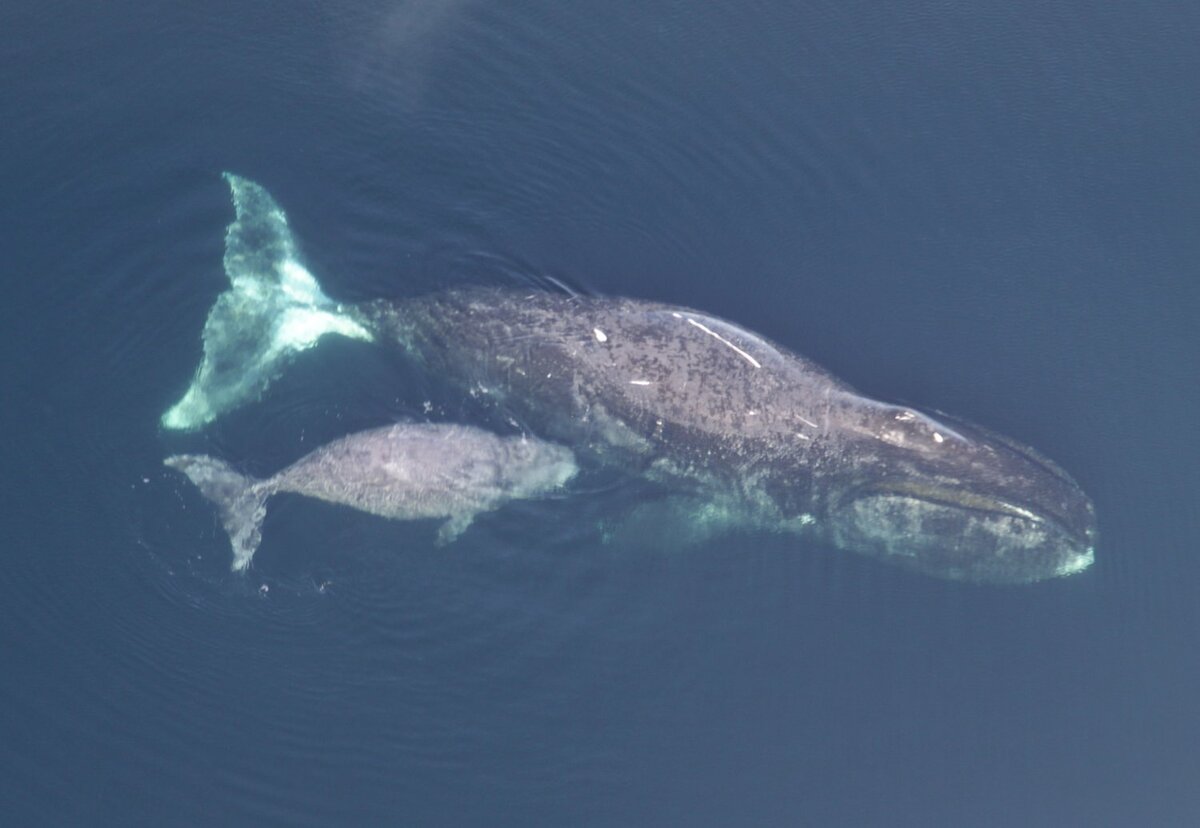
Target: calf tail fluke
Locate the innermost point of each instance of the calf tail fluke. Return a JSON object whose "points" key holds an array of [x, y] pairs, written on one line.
{"points": [[241, 501]]}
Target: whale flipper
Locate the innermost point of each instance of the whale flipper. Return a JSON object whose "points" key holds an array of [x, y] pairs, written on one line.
{"points": [[240, 500], [453, 527], [272, 310]]}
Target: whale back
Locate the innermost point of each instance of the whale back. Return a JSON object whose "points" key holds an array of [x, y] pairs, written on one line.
{"points": [[623, 375]]}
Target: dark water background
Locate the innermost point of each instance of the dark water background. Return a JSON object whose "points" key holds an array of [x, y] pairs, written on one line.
{"points": [[990, 208]]}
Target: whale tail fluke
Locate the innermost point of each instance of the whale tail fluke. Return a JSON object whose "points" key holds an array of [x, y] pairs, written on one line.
{"points": [[272, 310], [241, 501]]}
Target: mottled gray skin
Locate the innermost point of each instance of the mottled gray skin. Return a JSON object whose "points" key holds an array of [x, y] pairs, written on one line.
{"points": [[403, 472], [769, 437], [741, 431], [409, 471]]}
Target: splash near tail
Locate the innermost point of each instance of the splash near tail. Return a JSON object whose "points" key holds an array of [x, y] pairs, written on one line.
{"points": [[240, 500], [272, 310]]}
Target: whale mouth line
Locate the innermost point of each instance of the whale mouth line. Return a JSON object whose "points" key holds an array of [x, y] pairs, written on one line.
{"points": [[1083, 539], [946, 496], [965, 534]]}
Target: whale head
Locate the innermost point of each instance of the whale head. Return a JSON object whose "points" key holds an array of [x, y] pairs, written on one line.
{"points": [[957, 502]]}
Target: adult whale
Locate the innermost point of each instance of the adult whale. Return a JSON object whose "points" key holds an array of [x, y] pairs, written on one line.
{"points": [[748, 432]]}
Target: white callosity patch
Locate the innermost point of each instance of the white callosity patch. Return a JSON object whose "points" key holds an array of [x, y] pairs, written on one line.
{"points": [[917, 431], [272, 310]]}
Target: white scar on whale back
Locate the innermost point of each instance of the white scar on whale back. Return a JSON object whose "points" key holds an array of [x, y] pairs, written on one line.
{"points": [[725, 341]]}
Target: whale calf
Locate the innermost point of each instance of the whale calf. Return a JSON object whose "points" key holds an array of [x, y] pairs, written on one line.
{"points": [[402, 472], [749, 433]]}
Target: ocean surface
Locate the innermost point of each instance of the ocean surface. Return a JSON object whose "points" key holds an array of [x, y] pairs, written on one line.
{"points": [[986, 208]]}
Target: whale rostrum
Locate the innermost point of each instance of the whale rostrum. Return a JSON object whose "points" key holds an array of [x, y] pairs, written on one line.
{"points": [[734, 423]]}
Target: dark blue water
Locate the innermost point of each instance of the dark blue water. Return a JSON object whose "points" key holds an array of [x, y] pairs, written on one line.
{"points": [[986, 208]]}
